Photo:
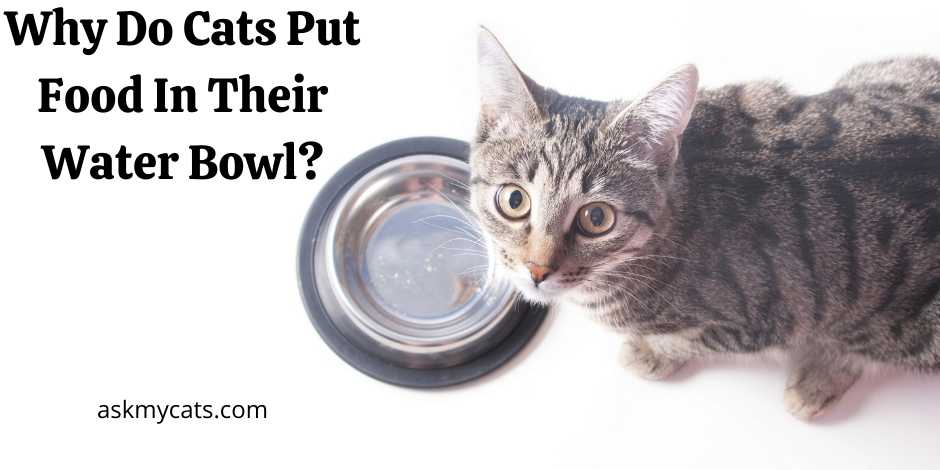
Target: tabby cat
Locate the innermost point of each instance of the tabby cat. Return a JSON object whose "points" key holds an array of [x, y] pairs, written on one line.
{"points": [[742, 219]]}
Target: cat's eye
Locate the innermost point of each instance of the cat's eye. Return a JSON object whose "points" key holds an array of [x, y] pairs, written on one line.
{"points": [[512, 202], [596, 219]]}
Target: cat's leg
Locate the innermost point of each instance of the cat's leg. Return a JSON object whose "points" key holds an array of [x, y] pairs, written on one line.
{"points": [[656, 357], [818, 378]]}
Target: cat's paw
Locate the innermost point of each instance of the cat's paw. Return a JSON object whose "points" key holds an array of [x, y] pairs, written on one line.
{"points": [[817, 383], [637, 357], [807, 404]]}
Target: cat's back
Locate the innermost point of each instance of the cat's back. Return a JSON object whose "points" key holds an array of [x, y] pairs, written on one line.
{"points": [[874, 137], [892, 102]]}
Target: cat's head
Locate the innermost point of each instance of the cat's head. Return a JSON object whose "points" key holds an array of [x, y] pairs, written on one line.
{"points": [[566, 188]]}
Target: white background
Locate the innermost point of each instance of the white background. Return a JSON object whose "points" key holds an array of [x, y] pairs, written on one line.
{"points": [[178, 291]]}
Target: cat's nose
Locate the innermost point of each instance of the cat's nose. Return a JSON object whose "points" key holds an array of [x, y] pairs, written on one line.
{"points": [[538, 272]]}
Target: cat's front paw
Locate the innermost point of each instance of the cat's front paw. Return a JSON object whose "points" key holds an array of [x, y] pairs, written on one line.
{"points": [[807, 404], [817, 382], [637, 357]]}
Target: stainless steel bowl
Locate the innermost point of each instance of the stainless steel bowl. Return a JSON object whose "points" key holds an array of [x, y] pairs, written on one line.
{"points": [[395, 274]]}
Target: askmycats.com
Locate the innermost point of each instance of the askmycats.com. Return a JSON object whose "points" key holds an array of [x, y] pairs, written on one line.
{"points": [[160, 412]]}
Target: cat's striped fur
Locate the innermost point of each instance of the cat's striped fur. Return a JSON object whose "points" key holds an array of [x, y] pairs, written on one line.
{"points": [[769, 221]]}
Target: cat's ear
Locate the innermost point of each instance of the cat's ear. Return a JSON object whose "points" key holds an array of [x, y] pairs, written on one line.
{"points": [[506, 94], [660, 116]]}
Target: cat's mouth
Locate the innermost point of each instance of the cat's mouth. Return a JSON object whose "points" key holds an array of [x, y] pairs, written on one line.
{"points": [[549, 290]]}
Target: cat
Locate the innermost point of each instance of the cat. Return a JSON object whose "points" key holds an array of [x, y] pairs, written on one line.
{"points": [[735, 220]]}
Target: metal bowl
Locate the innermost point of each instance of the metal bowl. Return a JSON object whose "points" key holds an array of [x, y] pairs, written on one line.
{"points": [[395, 275]]}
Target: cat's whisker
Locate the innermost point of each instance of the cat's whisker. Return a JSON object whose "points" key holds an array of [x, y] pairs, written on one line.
{"points": [[457, 182], [463, 222], [467, 217], [618, 289], [465, 250], [472, 237], [475, 269], [658, 292], [648, 269], [674, 242], [470, 233], [443, 246], [467, 240], [663, 256], [468, 253]]}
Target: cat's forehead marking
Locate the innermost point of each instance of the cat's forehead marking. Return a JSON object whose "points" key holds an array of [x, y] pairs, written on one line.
{"points": [[533, 167], [554, 205]]}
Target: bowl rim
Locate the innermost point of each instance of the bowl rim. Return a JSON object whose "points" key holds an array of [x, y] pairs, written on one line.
{"points": [[530, 316]]}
